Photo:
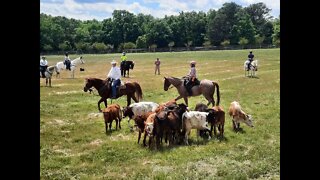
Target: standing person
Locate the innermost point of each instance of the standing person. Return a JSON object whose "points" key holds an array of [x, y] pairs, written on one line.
{"points": [[67, 61], [43, 65], [192, 75], [123, 63], [115, 76], [250, 58], [157, 68]]}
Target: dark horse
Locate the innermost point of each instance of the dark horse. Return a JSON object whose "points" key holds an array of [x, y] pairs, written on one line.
{"points": [[126, 66], [132, 90], [206, 88]]}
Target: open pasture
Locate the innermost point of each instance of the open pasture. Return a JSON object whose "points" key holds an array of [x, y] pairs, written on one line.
{"points": [[73, 143]]}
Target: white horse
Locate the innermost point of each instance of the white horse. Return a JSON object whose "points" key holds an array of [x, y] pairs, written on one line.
{"points": [[48, 74], [253, 68], [74, 63]]}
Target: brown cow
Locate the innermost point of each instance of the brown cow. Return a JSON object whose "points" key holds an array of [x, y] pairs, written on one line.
{"points": [[239, 116], [110, 113], [140, 123], [218, 120], [148, 129]]}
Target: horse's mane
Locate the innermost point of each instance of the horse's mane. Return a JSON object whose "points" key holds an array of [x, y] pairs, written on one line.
{"points": [[174, 78]]}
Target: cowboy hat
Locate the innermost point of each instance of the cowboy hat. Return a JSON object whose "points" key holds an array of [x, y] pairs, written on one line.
{"points": [[113, 62], [192, 62]]}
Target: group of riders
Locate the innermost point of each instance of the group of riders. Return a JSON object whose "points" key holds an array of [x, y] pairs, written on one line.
{"points": [[44, 64], [115, 73]]}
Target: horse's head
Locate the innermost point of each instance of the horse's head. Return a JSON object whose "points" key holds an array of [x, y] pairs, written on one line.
{"points": [[166, 84], [132, 65], [88, 84]]}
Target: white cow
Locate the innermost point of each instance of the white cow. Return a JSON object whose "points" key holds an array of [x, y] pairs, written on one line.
{"points": [[138, 109], [239, 116], [194, 120]]}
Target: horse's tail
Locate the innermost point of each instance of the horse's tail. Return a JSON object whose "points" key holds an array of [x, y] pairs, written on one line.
{"points": [[138, 92], [218, 92]]}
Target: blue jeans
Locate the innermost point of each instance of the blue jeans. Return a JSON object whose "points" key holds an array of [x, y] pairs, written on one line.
{"points": [[114, 85]]}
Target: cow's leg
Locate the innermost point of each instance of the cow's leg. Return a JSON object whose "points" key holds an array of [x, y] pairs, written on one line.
{"points": [[186, 136], [139, 136], [105, 122], [144, 139], [215, 131], [119, 122], [110, 125], [222, 130], [116, 123], [234, 125], [211, 129]]}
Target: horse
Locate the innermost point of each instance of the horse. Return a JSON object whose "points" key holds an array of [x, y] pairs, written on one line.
{"points": [[126, 66], [206, 88], [48, 74], [61, 66], [132, 90], [252, 70]]}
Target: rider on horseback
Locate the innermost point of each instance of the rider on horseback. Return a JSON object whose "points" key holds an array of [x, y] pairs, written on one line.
{"points": [[67, 61], [43, 65], [123, 62], [250, 58], [115, 75], [192, 77]]}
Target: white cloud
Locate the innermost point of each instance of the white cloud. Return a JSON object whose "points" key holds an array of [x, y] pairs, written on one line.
{"points": [[103, 10]]}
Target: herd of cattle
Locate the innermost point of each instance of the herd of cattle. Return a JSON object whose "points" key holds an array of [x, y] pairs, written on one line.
{"points": [[174, 121]]}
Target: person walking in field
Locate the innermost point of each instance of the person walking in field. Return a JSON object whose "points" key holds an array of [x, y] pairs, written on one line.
{"points": [[157, 68]]}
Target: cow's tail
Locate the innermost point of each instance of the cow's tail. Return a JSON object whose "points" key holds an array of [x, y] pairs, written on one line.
{"points": [[138, 92], [183, 115], [218, 92]]}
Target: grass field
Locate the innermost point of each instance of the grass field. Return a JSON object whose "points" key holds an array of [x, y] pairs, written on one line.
{"points": [[73, 143]]}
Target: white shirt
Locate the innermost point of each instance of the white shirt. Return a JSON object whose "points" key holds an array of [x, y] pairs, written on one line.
{"points": [[114, 73], [43, 62]]}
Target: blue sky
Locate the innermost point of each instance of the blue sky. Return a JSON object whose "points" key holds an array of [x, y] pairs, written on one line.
{"points": [[102, 9]]}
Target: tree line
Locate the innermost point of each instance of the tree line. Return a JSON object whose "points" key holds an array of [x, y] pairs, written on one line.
{"points": [[229, 25]]}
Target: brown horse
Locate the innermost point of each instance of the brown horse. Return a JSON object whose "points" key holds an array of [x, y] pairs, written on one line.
{"points": [[132, 90], [206, 88]]}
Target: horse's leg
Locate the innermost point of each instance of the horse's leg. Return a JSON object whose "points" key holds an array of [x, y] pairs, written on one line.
{"points": [[135, 99], [105, 102], [186, 100], [46, 81], [177, 98], [50, 82], [102, 99], [129, 100]]}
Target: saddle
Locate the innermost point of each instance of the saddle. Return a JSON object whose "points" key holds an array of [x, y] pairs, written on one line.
{"points": [[189, 84]]}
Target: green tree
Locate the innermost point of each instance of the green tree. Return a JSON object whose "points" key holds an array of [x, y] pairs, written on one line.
{"points": [[153, 47], [276, 34], [221, 26], [65, 46], [171, 44], [243, 41], [259, 39], [225, 43], [243, 28], [129, 45], [141, 42], [99, 47]]}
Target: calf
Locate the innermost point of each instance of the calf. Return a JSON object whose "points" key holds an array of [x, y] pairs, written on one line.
{"points": [[148, 129], [217, 120], [239, 116], [110, 113], [140, 122], [194, 120], [137, 109]]}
